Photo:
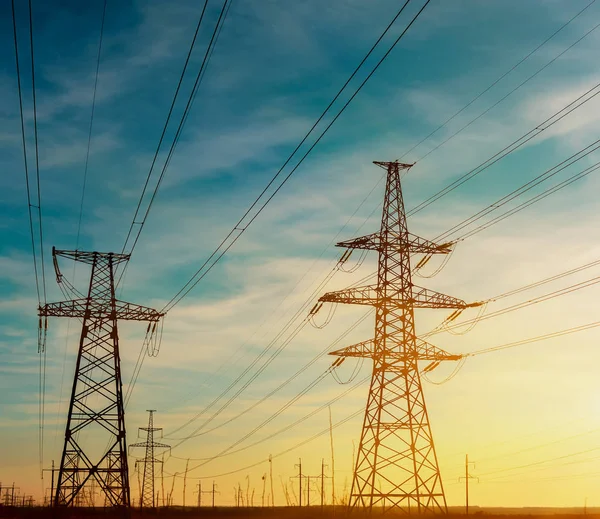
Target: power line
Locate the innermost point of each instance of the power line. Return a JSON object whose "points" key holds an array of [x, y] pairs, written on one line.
{"points": [[509, 93], [552, 335], [542, 177], [24, 143], [282, 453], [537, 198], [500, 312], [272, 392], [37, 156], [287, 427], [89, 143], [199, 275], [191, 97], [513, 146], [494, 83]]}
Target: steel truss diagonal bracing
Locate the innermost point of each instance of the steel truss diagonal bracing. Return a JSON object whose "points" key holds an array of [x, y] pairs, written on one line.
{"points": [[396, 467], [95, 446]]}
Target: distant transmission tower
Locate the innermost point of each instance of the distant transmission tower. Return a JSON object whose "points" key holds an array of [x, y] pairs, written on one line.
{"points": [[96, 406], [396, 467], [148, 497]]}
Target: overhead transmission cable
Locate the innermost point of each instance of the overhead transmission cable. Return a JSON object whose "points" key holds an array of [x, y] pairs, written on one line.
{"points": [[242, 226], [180, 127], [89, 143], [164, 130], [282, 453], [287, 427], [500, 312], [527, 186], [555, 121], [513, 146], [472, 321], [272, 392], [494, 83], [509, 93], [474, 353], [191, 283], [378, 182], [40, 293]]}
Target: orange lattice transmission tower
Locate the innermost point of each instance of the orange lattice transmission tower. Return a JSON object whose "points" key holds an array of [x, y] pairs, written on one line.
{"points": [[396, 467]]}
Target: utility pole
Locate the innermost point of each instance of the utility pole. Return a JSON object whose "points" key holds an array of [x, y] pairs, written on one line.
{"points": [[467, 477], [96, 404], [199, 493], [323, 484], [299, 476], [148, 496], [12, 494], [52, 481], [271, 479], [187, 464], [213, 492], [396, 462]]}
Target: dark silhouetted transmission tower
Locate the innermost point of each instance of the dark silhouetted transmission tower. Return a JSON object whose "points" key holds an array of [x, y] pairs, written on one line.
{"points": [[96, 406], [396, 467], [148, 497]]}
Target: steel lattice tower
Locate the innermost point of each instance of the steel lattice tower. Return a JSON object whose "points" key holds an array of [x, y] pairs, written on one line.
{"points": [[96, 406], [396, 467], [148, 498]]}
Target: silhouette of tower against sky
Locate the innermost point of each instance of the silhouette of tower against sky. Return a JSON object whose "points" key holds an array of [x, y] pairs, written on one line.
{"points": [[396, 466], [148, 497], [95, 446]]}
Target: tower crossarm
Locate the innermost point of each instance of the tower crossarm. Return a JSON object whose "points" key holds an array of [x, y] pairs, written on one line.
{"points": [[88, 257], [82, 308], [426, 298], [416, 244], [156, 445], [421, 298], [366, 295], [425, 351]]}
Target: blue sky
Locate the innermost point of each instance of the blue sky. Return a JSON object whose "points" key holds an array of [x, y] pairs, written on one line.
{"points": [[276, 66]]}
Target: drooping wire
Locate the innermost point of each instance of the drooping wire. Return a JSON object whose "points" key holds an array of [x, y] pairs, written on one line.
{"points": [[359, 262], [205, 267], [472, 322], [328, 319], [355, 371], [457, 368], [417, 270]]}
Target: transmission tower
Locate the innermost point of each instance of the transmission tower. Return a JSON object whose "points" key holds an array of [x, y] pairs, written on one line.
{"points": [[396, 467], [148, 498], [96, 406]]}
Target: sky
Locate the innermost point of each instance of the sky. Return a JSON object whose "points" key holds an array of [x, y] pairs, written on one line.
{"points": [[528, 417]]}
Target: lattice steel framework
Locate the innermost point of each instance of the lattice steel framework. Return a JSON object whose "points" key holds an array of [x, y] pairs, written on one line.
{"points": [[95, 444], [396, 467], [148, 497]]}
